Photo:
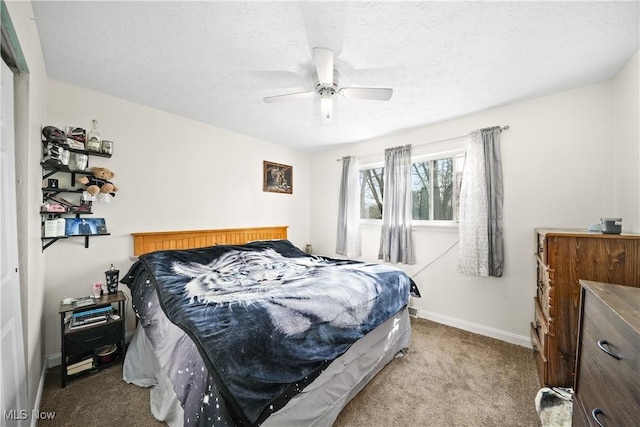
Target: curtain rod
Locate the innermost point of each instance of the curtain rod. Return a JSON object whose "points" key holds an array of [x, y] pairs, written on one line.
{"points": [[502, 129]]}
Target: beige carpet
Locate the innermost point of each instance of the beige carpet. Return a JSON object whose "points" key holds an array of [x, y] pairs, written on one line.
{"points": [[449, 377]]}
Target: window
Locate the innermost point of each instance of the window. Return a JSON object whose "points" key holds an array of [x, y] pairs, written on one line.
{"points": [[435, 187], [371, 190]]}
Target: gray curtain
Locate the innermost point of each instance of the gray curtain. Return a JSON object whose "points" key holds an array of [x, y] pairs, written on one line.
{"points": [[348, 238], [480, 251], [493, 171], [395, 240]]}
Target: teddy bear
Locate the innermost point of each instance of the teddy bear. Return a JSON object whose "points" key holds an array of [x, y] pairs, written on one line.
{"points": [[98, 182]]}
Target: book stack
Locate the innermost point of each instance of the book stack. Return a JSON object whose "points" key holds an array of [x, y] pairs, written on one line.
{"points": [[90, 317], [84, 302], [81, 366]]}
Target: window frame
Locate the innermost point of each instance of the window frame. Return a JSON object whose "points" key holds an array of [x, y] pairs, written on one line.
{"points": [[420, 223]]}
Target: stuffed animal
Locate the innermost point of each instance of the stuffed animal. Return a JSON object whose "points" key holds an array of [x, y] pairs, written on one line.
{"points": [[98, 182]]}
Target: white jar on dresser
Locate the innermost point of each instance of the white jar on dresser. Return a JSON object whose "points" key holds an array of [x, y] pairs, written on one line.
{"points": [[607, 384]]}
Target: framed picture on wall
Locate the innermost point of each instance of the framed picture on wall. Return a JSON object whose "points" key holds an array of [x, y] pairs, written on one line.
{"points": [[277, 178]]}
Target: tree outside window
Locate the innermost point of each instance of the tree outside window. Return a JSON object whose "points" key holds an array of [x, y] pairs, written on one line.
{"points": [[371, 191], [433, 190], [435, 187]]}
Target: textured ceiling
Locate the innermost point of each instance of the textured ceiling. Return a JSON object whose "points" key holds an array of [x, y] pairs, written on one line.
{"points": [[215, 61]]}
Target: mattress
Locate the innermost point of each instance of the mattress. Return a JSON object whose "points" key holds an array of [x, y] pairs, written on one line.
{"points": [[318, 405]]}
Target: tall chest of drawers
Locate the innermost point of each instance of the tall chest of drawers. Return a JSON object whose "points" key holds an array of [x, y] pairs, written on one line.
{"points": [[607, 390], [563, 257]]}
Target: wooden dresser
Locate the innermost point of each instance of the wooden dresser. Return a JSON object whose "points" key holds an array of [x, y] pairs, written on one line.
{"points": [[564, 257], [607, 386]]}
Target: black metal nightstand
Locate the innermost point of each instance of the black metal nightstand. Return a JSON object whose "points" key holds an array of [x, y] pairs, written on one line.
{"points": [[86, 339]]}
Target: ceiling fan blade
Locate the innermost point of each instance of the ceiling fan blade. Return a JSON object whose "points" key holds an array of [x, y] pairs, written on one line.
{"points": [[324, 65], [276, 98], [376, 93]]}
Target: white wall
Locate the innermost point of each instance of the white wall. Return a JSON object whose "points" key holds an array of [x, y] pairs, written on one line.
{"points": [[558, 159], [626, 169], [173, 174], [560, 166], [30, 112]]}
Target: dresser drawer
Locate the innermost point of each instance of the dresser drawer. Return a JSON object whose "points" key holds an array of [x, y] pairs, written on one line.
{"points": [[542, 248], [578, 416], [536, 342], [603, 331], [545, 290], [541, 361], [595, 395], [608, 366], [540, 326], [92, 337]]}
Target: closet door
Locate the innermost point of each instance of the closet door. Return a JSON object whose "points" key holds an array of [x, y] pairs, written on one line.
{"points": [[15, 409]]}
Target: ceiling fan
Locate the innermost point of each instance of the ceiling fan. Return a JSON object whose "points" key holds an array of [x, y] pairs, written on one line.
{"points": [[327, 86]]}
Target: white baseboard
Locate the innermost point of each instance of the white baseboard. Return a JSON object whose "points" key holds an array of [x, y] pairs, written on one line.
{"points": [[54, 360], [523, 341], [36, 404]]}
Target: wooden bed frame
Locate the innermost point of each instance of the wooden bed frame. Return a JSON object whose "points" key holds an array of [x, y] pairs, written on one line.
{"points": [[190, 239]]}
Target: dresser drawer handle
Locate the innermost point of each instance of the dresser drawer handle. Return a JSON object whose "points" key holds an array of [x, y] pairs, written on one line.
{"points": [[602, 344], [594, 415]]}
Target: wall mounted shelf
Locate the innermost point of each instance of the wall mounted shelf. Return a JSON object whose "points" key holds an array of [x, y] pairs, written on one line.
{"points": [[51, 240], [49, 193]]}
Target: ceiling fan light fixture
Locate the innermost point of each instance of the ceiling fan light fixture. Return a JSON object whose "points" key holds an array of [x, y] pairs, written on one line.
{"points": [[326, 85], [326, 107]]}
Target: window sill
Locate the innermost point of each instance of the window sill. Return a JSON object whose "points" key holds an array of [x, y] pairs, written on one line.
{"points": [[446, 227]]}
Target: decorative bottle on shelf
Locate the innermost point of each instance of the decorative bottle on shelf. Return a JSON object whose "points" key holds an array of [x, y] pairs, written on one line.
{"points": [[94, 140]]}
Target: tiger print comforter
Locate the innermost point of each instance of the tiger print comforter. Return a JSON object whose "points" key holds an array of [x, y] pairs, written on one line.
{"points": [[266, 317]]}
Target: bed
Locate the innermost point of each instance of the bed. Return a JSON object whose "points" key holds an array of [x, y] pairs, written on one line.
{"points": [[238, 327]]}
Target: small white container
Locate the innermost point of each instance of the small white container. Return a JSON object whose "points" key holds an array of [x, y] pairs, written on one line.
{"points": [[81, 161], [60, 227], [594, 227], [50, 228]]}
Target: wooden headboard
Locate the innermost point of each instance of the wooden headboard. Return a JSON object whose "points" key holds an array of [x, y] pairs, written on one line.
{"points": [[163, 240]]}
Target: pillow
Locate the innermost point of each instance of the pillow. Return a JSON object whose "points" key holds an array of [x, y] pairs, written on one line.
{"points": [[282, 246]]}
